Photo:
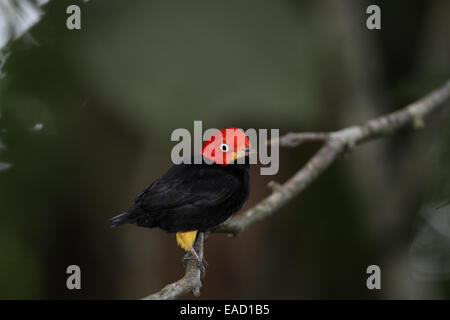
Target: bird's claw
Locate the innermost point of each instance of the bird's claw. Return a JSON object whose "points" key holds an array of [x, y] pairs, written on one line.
{"points": [[201, 264]]}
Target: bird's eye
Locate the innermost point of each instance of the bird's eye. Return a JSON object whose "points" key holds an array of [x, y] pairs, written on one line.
{"points": [[224, 147]]}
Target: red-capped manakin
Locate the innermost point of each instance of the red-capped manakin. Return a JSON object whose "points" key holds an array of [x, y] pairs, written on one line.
{"points": [[191, 198]]}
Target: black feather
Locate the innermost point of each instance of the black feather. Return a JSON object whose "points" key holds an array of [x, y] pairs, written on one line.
{"points": [[119, 219], [190, 197]]}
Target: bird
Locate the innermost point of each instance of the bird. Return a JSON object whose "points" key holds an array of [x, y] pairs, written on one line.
{"points": [[194, 196]]}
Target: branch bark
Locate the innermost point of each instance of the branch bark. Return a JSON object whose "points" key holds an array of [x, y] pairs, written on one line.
{"points": [[335, 143], [189, 283]]}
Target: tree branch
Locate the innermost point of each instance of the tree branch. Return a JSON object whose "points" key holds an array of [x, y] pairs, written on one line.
{"points": [[190, 281], [335, 143], [294, 139]]}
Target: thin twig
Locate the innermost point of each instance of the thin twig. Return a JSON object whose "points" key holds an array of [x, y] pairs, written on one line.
{"points": [[294, 139]]}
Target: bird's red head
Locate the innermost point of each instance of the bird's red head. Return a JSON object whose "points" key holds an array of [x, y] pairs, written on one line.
{"points": [[226, 145]]}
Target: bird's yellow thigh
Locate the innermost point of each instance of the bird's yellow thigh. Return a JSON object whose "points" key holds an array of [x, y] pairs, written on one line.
{"points": [[186, 239]]}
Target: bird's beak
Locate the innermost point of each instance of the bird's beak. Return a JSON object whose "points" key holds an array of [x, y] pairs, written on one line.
{"points": [[244, 152]]}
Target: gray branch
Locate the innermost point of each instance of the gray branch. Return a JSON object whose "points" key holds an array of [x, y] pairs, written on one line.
{"points": [[334, 144], [191, 280]]}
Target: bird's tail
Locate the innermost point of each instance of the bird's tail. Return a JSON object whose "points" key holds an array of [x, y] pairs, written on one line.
{"points": [[119, 219]]}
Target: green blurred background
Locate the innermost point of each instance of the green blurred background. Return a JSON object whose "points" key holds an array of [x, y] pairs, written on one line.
{"points": [[85, 124]]}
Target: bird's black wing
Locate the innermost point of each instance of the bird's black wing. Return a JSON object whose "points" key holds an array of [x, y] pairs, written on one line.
{"points": [[197, 186]]}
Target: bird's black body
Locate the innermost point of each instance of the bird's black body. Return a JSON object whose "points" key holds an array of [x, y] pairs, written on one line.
{"points": [[190, 197]]}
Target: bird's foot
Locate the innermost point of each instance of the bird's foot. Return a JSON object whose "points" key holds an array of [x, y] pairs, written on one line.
{"points": [[201, 263]]}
